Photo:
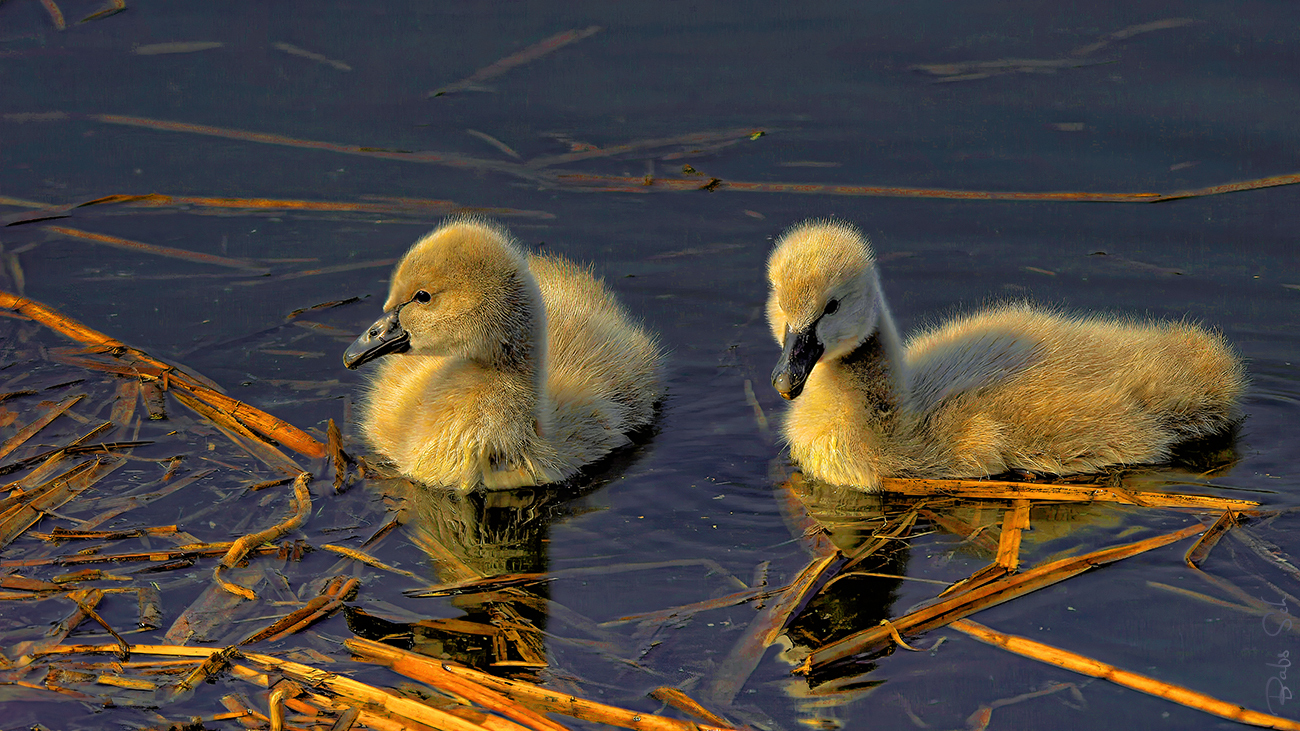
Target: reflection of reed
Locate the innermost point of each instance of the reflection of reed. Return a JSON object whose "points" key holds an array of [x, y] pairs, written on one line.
{"points": [[469, 536], [495, 533], [487, 550], [851, 600], [847, 626], [489, 532]]}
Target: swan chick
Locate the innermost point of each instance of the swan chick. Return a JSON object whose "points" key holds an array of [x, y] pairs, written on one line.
{"points": [[500, 369], [1014, 386]]}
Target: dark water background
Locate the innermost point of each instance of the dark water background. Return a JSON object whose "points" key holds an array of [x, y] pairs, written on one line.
{"points": [[835, 89]]}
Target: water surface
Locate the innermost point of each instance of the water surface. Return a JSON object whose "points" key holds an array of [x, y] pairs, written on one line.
{"points": [[845, 94]]}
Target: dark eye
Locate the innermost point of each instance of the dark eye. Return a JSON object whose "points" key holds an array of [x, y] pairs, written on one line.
{"points": [[831, 307], [422, 297]]}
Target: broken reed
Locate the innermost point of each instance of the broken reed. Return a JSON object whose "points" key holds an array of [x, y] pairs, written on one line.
{"points": [[473, 694], [539, 171], [130, 361], [1142, 683], [992, 593]]}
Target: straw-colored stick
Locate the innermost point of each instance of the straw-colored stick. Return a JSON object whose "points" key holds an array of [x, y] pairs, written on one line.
{"points": [[239, 434], [167, 251], [1151, 686], [139, 363], [1201, 549], [962, 603], [62, 490], [1013, 523], [29, 431], [545, 700], [56, 15], [433, 672], [682, 702], [998, 490], [734, 670], [368, 560], [241, 547], [531, 53]]}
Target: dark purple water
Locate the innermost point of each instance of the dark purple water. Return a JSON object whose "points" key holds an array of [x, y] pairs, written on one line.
{"points": [[844, 97]]}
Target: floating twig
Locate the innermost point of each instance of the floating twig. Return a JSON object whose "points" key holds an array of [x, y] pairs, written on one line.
{"points": [[304, 53], [103, 448], [90, 612], [330, 600], [85, 600], [1054, 492], [162, 554], [112, 8], [56, 15], [336, 269], [385, 529], [341, 460], [1088, 666], [137, 363], [968, 601], [1013, 522], [503, 147], [435, 673], [680, 612], [240, 435], [745, 655], [61, 489], [626, 184], [23, 583], [682, 702], [63, 534], [364, 695], [390, 205], [540, 699], [274, 139], [52, 412], [160, 49], [693, 138], [301, 509], [368, 560], [275, 702], [167, 251], [1201, 549], [531, 53], [216, 661]]}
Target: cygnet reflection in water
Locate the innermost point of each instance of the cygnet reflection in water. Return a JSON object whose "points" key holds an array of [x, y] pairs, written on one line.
{"points": [[1011, 387], [501, 369]]}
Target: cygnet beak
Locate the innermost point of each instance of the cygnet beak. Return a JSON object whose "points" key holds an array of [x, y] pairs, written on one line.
{"points": [[802, 351], [384, 337]]}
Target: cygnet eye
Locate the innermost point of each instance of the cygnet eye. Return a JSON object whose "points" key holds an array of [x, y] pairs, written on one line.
{"points": [[831, 307], [422, 297]]}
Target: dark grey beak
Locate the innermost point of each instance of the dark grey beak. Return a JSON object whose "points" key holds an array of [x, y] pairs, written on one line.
{"points": [[802, 351], [384, 337]]}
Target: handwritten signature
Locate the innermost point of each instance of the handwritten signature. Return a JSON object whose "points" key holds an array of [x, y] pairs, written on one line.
{"points": [[1276, 691]]}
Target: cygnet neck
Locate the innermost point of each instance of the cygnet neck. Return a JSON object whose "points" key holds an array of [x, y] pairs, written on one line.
{"points": [[876, 364], [515, 350]]}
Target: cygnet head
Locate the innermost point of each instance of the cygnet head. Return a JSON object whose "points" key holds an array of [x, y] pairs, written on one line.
{"points": [[463, 291], [825, 298]]}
